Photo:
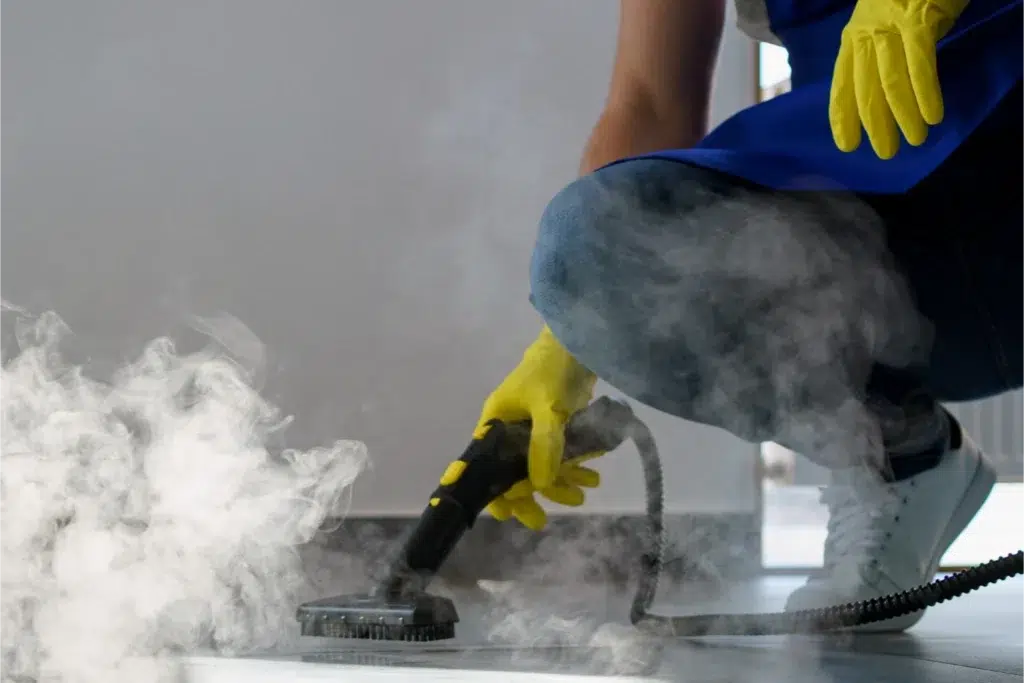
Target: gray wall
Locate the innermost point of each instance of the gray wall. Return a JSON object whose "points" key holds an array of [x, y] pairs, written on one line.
{"points": [[358, 182]]}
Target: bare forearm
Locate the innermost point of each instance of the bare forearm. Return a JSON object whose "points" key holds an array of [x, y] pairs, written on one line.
{"points": [[660, 89], [627, 132]]}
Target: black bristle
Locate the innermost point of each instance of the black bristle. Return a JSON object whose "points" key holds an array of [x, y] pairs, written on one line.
{"points": [[417, 634], [420, 618]]}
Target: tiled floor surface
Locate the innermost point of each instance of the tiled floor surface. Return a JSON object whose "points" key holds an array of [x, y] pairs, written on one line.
{"points": [[576, 634]]}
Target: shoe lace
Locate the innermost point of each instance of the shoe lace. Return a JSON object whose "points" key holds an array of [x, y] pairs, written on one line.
{"points": [[861, 510]]}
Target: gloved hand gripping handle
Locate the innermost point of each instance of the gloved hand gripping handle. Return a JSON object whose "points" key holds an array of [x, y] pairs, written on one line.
{"points": [[400, 609], [491, 466]]}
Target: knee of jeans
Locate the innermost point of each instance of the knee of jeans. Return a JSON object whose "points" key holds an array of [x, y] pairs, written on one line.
{"points": [[562, 267], [592, 240]]}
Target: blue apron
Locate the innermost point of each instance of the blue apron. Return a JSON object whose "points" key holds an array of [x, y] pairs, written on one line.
{"points": [[786, 143]]}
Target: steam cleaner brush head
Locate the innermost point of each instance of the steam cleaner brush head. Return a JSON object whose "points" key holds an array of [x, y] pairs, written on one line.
{"points": [[420, 617]]}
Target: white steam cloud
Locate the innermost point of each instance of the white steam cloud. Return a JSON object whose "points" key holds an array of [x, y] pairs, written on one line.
{"points": [[763, 315], [772, 311], [143, 516]]}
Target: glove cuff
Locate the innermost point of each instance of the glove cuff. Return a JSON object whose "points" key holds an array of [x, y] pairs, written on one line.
{"points": [[577, 374]]}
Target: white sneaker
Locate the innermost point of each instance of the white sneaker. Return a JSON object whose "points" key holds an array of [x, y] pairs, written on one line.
{"points": [[886, 538]]}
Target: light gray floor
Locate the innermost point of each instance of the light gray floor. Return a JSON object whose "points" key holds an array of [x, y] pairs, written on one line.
{"points": [[795, 522], [510, 634]]}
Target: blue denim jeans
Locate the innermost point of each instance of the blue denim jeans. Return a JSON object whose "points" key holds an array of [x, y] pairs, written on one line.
{"points": [[820, 321]]}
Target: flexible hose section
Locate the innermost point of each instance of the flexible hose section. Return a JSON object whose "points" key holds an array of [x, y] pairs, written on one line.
{"points": [[802, 621]]}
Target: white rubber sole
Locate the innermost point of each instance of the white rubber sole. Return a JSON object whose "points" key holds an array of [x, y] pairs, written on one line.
{"points": [[982, 483]]}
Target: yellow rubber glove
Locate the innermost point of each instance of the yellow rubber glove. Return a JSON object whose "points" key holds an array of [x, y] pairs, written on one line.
{"points": [[886, 75], [567, 489], [547, 388]]}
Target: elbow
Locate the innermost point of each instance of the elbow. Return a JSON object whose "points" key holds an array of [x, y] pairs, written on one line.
{"points": [[686, 97], [658, 122]]}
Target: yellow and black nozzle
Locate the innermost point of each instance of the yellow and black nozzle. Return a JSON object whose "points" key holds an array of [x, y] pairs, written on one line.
{"points": [[399, 609]]}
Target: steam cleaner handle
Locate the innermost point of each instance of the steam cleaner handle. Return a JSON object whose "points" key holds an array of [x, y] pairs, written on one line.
{"points": [[491, 466]]}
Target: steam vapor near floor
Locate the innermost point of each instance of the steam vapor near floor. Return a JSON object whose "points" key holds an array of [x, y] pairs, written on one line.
{"points": [[143, 515]]}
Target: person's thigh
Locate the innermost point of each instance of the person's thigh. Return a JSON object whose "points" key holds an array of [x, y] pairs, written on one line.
{"points": [[992, 263], [969, 287], [719, 302], [958, 238]]}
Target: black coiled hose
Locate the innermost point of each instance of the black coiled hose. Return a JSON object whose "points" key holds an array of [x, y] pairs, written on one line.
{"points": [[775, 623]]}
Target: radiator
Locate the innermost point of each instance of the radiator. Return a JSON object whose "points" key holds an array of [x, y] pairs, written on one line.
{"points": [[997, 425]]}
